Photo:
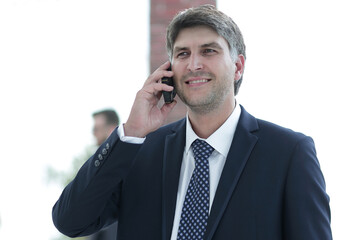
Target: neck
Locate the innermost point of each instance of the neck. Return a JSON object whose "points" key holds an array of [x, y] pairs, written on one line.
{"points": [[204, 125]]}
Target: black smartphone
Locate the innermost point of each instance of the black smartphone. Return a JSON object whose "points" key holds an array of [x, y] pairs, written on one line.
{"points": [[168, 96]]}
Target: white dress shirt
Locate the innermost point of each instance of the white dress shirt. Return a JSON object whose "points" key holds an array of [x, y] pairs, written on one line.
{"points": [[220, 140]]}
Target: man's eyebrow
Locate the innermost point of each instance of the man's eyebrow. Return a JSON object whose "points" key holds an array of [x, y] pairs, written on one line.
{"points": [[212, 45], [178, 49], [206, 45]]}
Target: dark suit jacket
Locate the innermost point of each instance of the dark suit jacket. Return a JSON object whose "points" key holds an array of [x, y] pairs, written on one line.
{"points": [[271, 187]]}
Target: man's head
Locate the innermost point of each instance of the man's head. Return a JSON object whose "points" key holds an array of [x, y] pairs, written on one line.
{"points": [[104, 123], [209, 16]]}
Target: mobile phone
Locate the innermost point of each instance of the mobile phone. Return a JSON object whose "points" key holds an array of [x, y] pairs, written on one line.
{"points": [[168, 95]]}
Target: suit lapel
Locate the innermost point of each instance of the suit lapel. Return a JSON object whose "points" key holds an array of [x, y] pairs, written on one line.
{"points": [[173, 153], [241, 148]]}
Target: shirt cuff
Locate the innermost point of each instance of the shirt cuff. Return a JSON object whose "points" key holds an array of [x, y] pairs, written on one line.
{"points": [[127, 139]]}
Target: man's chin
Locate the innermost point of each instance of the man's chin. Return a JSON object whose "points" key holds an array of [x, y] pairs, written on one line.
{"points": [[201, 106]]}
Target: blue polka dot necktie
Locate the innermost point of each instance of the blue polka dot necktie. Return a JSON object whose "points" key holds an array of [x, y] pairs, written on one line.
{"points": [[195, 210]]}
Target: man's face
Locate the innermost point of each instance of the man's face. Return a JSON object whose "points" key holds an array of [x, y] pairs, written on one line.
{"points": [[101, 130], [204, 72]]}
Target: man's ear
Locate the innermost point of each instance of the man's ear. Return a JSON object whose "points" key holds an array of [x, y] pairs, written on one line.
{"points": [[239, 67]]}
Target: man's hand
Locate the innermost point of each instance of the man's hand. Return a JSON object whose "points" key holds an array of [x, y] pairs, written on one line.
{"points": [[146, 116]]}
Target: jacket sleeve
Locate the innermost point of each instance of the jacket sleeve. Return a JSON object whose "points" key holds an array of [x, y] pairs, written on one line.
{"points": [[306, 210], [91, 200]]}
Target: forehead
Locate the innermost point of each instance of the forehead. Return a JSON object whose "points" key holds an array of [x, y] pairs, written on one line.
{"points": [[100, 119], [198, 35]]}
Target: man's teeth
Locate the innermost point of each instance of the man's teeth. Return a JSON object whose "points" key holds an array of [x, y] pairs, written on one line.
{"points": [[198, 81]]}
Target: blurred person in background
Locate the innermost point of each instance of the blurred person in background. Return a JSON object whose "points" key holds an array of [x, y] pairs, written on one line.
{"points": [[105, 122]]}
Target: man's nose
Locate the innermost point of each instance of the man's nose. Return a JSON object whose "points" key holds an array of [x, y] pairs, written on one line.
{"points": [[195, 63]]}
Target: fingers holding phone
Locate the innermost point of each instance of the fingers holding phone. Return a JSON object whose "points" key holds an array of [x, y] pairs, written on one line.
{"points": [[159, 73], [159, 81], [146, 116], [168, 95]]}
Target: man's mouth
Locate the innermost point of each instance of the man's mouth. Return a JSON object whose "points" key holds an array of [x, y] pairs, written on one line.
{"points": [[197, 81]]}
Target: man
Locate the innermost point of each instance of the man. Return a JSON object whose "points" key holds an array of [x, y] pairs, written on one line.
{"points": [[105, 121], [219, 173]]}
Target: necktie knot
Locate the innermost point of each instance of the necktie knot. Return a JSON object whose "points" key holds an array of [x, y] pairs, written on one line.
{"points": [[201, 150]]}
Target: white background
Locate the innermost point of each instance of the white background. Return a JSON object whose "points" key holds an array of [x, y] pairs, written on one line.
{"points": [[61, 60]]}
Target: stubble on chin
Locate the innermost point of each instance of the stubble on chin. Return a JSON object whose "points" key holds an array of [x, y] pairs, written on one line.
{"points": [[200, 106], [211, 101]]}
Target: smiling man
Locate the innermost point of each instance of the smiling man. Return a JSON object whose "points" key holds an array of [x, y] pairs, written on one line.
{"points": [[205, 74], [219, 173]]}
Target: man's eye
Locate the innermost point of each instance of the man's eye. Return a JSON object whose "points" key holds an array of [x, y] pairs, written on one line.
{"points": [[209, 51], [182, 54]]}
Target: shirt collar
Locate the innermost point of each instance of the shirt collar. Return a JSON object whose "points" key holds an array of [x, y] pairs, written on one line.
{"points": [[222, 138]]}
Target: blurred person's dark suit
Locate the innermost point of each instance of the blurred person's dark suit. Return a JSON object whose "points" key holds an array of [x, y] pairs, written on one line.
{"points": [[109, 233]]}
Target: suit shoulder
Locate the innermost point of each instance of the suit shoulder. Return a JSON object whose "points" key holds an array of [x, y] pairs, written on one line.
{"points": [[273, 131]]}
